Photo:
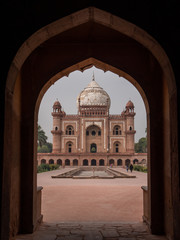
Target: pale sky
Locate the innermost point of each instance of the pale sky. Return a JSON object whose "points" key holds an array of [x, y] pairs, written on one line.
{"points": [[67, 89]]}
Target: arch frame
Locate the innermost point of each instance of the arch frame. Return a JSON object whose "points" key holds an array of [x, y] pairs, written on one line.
{"points": [[13, 99]]}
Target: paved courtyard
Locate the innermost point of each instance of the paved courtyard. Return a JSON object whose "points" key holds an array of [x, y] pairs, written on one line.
{"points": [[91, 200], [85, 209]]}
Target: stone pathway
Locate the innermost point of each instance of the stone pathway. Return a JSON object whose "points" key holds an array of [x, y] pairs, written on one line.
{"points": [[91, 231]]}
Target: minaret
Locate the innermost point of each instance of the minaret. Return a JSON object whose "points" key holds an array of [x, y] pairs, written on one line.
{"points": [[56, 132], [129, 113]]}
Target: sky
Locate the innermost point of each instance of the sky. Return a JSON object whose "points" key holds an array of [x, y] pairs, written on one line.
{"points": [[67, 89]]}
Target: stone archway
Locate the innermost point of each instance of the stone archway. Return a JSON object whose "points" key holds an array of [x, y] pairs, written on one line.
{"points": [[93, 162], [75, 162], [51, 161], [43, 161], [127, 162], [119, 162], [85, 162], [111, 162], [135, 161], [146, 66], [67, 162], [59, 162], [101, 162]]}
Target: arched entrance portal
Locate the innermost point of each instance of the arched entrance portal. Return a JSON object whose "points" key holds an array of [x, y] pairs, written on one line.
{"points": [[112, 39]]}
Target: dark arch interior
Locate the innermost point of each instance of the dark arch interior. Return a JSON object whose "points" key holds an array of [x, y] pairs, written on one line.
{"points": [[111, 47]]}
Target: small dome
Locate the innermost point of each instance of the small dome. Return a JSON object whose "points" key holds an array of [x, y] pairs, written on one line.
{"points": [[130, 104], [57, 104], [93, 95]]}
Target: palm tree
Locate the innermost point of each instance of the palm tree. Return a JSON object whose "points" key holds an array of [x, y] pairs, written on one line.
{"points": [[41, 136]]}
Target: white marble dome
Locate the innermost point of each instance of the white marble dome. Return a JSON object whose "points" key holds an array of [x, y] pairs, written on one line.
{"points": [[93, 95]]}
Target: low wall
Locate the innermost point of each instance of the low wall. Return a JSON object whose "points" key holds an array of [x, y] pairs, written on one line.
{"points": [[145, 204], [39, 216]]}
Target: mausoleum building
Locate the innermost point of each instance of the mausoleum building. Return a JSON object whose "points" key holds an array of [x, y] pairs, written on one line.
{"points": [[93, 137]]}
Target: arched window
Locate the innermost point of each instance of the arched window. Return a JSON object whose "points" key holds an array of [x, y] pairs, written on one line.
{"points": [[93, 162], [56, 128], [117, 130], [59, 162], [119, 162], [117, 147], [69, 147], [75, 162], [101, 162], [93, 148], [67, 162], [127, 162], [135, 161], [51, 161], [85, 162], [69, 130], [111, 161], [130, 128], [93, 132], [43, 161]]}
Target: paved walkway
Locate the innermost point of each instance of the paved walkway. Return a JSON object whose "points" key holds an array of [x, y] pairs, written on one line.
{"points": [[91, 209], [92, 231], [92, 200]]}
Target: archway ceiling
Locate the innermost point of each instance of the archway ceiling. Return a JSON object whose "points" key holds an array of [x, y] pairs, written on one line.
{"points": [[90, 40]]}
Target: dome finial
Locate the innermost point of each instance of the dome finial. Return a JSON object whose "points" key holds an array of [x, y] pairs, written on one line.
{"points": [[93, 78]]}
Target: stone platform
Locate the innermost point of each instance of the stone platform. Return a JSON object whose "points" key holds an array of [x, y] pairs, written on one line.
{"points": [[93, 172]]}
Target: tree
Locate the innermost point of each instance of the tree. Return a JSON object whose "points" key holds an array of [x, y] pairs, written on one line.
{"points": [[42, 138], [141, 146], [47, 148]]}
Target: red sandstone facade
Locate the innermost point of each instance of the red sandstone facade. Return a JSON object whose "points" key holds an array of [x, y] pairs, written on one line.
{"points": [[93, 137]]}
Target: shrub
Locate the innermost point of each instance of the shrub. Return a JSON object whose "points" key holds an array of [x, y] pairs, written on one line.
{"points": [[140, 168], [47, 167]]}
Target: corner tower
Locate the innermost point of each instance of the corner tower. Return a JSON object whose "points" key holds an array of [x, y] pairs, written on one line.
{"points": [[129, 113], [56, 132]]}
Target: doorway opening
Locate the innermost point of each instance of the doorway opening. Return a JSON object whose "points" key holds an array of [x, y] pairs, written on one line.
{"points": [[94, 130]]}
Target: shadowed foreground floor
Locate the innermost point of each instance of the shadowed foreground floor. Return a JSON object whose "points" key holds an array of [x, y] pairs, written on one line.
{"points": [[92, 231]]}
